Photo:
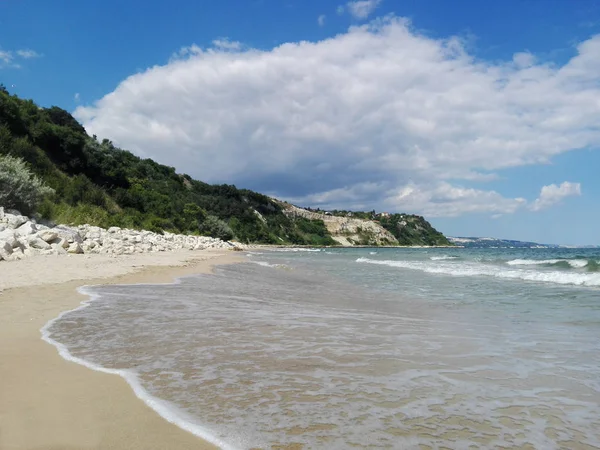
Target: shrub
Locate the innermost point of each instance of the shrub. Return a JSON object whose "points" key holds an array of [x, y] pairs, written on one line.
{"points": [[19, 188], [212, 226]]}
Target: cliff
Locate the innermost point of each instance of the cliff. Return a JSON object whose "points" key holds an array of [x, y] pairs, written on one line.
{"points": [[383, 230]]}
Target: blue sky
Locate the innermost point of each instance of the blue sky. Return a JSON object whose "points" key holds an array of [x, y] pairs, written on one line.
{"points": [[460, 111]]}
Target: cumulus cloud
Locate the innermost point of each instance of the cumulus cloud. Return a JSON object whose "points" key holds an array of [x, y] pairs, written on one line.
{"points": [[361, 9], [380, 116], [552, 194], [321, 20]]}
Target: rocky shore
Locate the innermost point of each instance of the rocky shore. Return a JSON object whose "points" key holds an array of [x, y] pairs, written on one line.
{"points": [[22, 237]]}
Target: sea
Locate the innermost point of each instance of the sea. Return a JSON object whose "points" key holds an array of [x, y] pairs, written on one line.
{"points": [[397, 348]]}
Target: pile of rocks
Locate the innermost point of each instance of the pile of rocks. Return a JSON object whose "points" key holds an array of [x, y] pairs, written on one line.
{"points": [[22, 237]]}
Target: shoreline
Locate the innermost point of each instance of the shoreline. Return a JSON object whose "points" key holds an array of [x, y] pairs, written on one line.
{"points": [[50, 402]]}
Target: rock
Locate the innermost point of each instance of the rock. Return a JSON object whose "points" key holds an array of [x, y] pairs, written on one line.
{"points": [[31, 252], [60, 242], [26, 229], [1, 212], [24, 237], [15, 221], [47, 235], [5, 250], [36, 242], [17, 254], [14, 212], [58, 249], [69, 234], [75, 248], [10, 237]]}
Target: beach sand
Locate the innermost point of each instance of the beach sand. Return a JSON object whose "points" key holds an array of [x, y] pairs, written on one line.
{"points": [[49, 403]]}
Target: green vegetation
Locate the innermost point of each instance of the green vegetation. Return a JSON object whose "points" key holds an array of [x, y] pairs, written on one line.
{"points": [[95, 182], [19, 188], [412, 230], [314, 231]]}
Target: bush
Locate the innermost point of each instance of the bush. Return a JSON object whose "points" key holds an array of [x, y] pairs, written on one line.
{"points": [[19, 188], [212, 226]]}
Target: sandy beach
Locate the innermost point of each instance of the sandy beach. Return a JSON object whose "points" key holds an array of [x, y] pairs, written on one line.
{"points": [[47, 402]]}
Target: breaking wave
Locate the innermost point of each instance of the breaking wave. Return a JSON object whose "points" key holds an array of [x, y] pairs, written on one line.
{"points": [[266, 264], [294, 249], [590, 264], [478, 269], [442, 257]]}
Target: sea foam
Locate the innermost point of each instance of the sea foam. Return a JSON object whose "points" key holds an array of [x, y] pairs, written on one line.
{"points": [[165, 409], [471, 269], [442, 257], [575, 263]]}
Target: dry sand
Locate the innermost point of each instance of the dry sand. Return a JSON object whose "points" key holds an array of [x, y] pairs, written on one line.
{"points": [[49, 403]]}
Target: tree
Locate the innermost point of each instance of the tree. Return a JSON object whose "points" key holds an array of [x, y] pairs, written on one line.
{"points": [[19, 188]]}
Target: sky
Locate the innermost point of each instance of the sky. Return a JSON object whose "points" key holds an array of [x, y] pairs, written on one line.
{"points": [[483, 116]]}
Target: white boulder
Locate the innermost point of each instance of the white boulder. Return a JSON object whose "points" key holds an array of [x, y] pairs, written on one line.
{"points": [[17, 254], [60, 242], [40, 244], [58, 249], [9, 236], [14, 221], [69, 234], [30, 251], [47, 235], [5, 250], [26, 229], [75, 248]]}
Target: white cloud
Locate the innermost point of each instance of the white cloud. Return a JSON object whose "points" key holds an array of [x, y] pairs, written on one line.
{"points": [[5, 57], [8, 58], [340, 10], [523, 59], [227, 44], [28, 54], [361, 9], [76, 97], [358, 118], [321, 20], [439, 199], [552, 194]]}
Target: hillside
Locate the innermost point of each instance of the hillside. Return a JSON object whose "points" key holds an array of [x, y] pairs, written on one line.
{"points": [[94, 182], [368, 228], [486, 242], [345, 231]]}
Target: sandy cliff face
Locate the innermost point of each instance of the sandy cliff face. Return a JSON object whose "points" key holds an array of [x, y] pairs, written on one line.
{"points": [[347, 231]]}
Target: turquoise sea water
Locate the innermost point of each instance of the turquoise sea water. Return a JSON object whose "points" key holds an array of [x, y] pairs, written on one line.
{"points": [[362, 348]]}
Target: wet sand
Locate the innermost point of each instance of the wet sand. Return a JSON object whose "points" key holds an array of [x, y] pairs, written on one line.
{"points": [[49, 403]]}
